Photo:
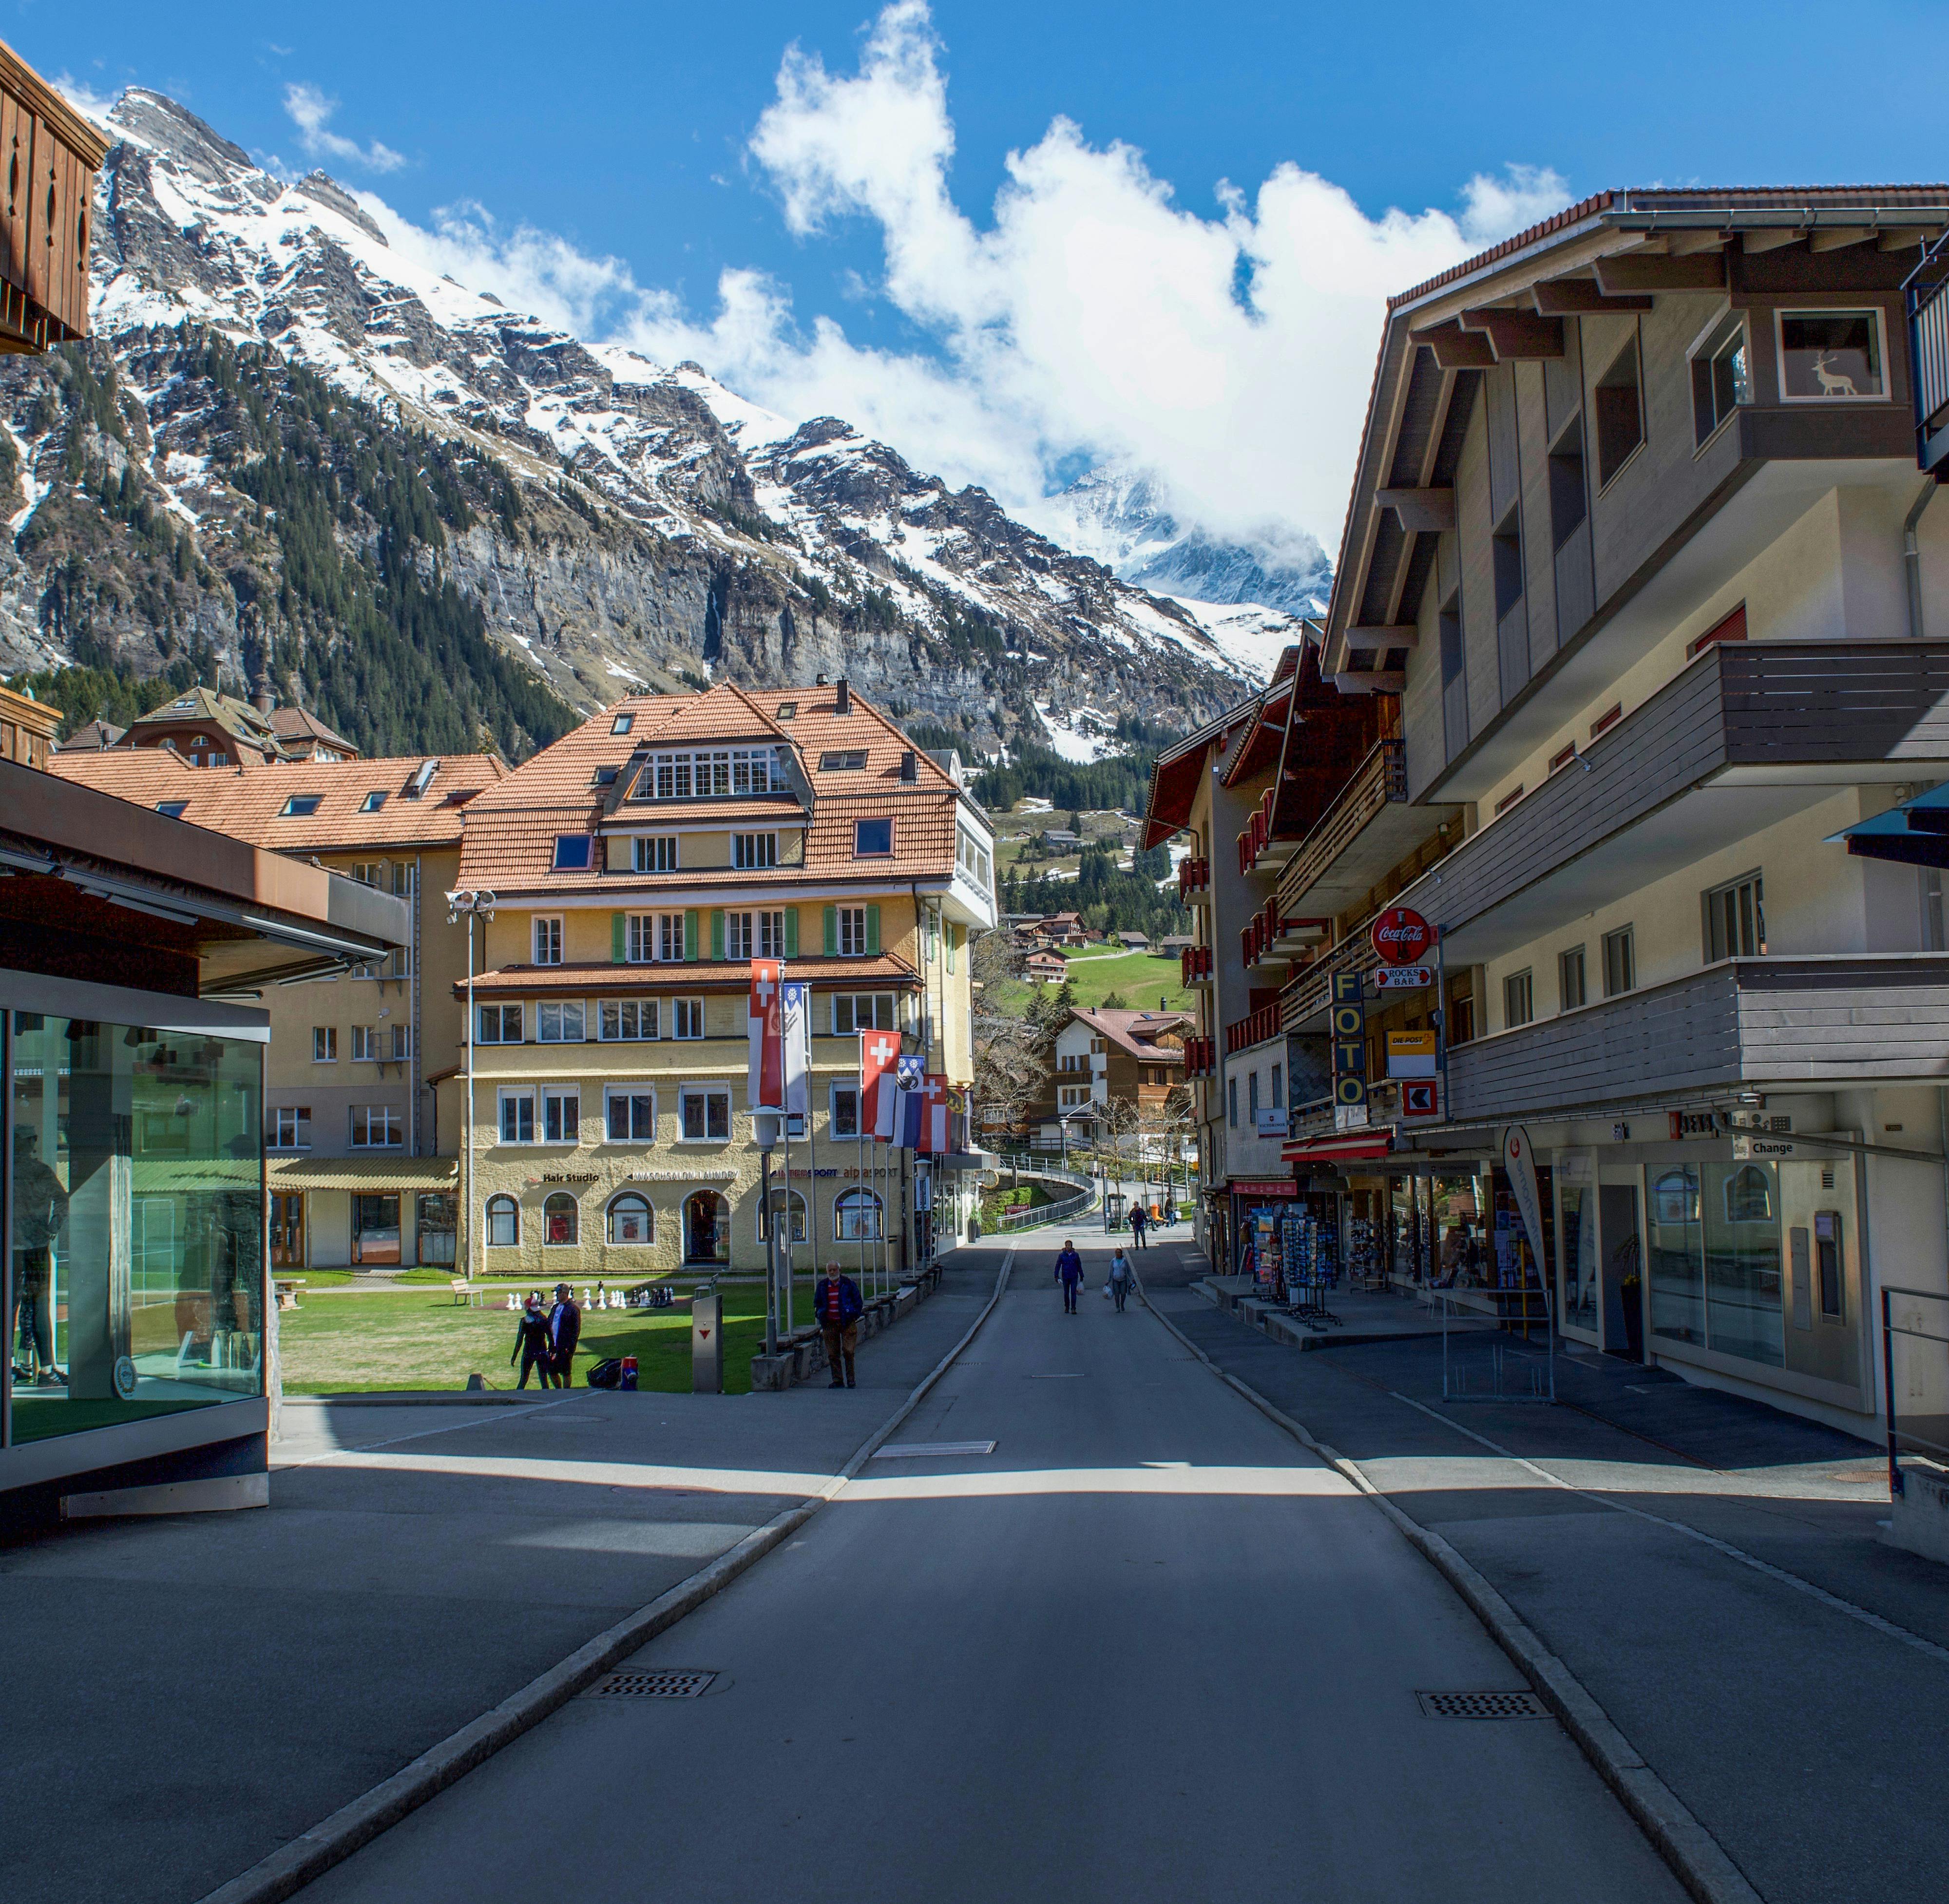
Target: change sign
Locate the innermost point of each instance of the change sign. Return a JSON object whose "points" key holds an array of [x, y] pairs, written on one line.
{"points": [[1349, 1041]]}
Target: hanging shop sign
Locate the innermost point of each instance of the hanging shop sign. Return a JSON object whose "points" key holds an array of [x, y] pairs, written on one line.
{"points": [[1403, 978], [1401, 935], [1264, 1187], [1421, 1098], [1410, 1053], [1350, 1042]]}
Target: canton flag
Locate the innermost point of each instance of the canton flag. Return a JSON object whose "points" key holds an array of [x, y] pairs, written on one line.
{"points": [[796, 1011], [909, 1102]]}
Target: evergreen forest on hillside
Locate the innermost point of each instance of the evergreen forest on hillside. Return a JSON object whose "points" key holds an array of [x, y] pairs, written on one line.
{"points": [[1110, 899]]}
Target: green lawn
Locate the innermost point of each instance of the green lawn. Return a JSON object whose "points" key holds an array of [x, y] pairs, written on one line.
{"points": [[1141, 978], [343, 1343]]}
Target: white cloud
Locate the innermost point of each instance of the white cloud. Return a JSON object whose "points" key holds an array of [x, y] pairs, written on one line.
{"points": [[1089, 317], [82, 97], [311, 111]]}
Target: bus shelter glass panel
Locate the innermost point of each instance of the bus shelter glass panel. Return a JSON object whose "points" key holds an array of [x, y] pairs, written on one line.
{"points": [[137, 1250]]}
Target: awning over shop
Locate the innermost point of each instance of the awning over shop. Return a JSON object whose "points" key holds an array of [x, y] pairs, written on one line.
{"points": [[1914, 833], [378, 1173], [1348, 1147]]}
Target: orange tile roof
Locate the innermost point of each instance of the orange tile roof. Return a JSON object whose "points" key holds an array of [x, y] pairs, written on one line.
{"points": [[247, 802], [717, 975]]}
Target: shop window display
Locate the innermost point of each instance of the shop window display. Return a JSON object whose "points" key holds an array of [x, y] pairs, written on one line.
{"points": [[1676, 1248], [1742, 1262], [138, 1222]]}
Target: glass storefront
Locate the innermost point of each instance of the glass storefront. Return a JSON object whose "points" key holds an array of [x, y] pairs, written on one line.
{"points": [[1576, 1251], [1715, 1256], [138, 1246]]}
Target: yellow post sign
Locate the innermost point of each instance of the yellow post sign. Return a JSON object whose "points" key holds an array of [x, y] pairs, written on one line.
{"points": [[1410, 1053]]}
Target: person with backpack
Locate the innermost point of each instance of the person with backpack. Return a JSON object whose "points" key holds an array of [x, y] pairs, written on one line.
{"points": [[1139, 1222], [835, 1301], [531, 1342], [1123, 1275], [1069, 1273]]}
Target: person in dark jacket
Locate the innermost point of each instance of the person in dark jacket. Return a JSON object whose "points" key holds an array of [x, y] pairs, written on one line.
{"points": [[531, 1342], [835, 1301], [565, 1332], [1139, 1221], [1069, 1273]]}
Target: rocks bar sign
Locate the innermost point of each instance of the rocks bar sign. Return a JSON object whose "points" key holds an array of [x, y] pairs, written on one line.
{"points": [[1400, 936]]}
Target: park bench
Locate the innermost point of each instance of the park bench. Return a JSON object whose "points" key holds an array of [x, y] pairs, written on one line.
{"points": [[464, 1292], [288, 1288]]}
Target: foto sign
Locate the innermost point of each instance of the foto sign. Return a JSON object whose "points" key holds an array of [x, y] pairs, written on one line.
{"points": [[1403, 978], [1350, 1042], [1400, 936]]}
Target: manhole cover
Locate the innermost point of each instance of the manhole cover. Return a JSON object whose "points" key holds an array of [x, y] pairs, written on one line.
{"points": [[671, 1684], [1481, 1705]]}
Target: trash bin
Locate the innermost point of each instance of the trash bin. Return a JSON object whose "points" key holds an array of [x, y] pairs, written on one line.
{"points": [[707, 1341]]}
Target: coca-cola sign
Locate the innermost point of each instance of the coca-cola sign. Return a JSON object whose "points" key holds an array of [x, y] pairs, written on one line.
{"points": [[1401, 935]]}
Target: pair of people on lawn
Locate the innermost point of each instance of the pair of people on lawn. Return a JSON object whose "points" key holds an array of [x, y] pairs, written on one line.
{"points": [[545, 1340]]}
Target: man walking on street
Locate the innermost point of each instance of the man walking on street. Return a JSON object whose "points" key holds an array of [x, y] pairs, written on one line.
{"points": [[531, 1342], [837, 1304], [1069, 1273], [565, 1332], [1140, 1222]]}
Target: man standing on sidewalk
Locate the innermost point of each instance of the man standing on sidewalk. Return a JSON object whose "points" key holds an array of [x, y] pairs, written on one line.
{"points": [[837, 1304], [565, 1332]]}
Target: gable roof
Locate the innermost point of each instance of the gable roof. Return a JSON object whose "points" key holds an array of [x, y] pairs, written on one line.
{"points": [[204, 707], [1133, 1032], [290, 724]]}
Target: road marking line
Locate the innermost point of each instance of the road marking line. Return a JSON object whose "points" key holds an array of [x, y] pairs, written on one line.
{"points": [[1886, 1627]]}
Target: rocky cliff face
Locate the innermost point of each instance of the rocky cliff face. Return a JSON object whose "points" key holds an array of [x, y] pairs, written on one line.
{"points": [[286, 440]]}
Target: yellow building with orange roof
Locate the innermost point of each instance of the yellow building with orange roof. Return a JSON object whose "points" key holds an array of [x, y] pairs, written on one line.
{"points": [[636, 867]]}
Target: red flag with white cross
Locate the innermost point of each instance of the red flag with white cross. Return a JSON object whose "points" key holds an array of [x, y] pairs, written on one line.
{"points": [[879, 1054]]}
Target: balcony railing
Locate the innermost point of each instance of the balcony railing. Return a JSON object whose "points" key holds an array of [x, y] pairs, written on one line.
{"points": [[1927, 291], [1380, 778], [1194, 877], [1194, 966], [1254, 1029]]}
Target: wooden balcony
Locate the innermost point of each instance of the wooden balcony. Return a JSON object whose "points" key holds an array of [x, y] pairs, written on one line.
{"points": [[1366, 832], [1255, 1028]]}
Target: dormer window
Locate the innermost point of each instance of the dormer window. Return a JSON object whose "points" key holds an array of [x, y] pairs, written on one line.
{"points": [[710, 773], [850, 761]]}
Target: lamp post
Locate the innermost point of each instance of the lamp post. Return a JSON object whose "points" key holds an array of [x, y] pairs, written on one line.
{"points": [[475, 906], [765, 1127]]}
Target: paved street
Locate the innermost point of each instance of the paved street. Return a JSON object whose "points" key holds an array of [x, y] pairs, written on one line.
{"points": [[1148, 1649]]}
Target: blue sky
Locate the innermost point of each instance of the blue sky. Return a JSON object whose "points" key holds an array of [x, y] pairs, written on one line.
{"points": [[627, 133]]}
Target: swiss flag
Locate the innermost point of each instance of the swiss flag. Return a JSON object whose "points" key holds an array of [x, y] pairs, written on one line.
{"points": [[767, 1083], [879, 1052]]}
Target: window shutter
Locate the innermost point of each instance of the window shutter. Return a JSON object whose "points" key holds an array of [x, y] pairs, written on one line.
{"points": [[716, 934], [791, 932], [618, 946], [832, 932], [690, 935], [873, 932], [950, 948]]}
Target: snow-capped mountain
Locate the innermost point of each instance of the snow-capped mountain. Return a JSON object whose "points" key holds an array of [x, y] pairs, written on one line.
{"points": [[609, 520], [1121, 515]]}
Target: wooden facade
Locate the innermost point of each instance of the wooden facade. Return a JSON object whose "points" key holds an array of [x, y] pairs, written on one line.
{"points": [[51, 155]]}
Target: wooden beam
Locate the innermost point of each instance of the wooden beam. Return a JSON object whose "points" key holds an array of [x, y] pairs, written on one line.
{"points": [[1430, 509], [1580, 297], [1706, 273], [1456, 349], [1374, 680], [1838, 238], [1770, 239], [1516, 334], [1687, 244], [1899, 238], [1377, 638]]}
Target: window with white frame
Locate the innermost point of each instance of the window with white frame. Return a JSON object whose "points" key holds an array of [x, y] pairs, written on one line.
{"points": [[844, 1120], [754, 935], [630, 1114], [652, 937], [1721, 375], [872, 839], [561, 1113], [559, 1022], [1830, 356], [374, 1127], [547, 942], [705, 773], [1519, 1000], [572, 852], [498, 1024], [703, 1112], [626, 1019], [402, 1044], [857, 1011], [365, 1047], [1736, 920], [753, 852], [291, 1128], [972, 857], [1621, 961], [518, 1116], [324, 1044], [686, 1017], [657, 853], [852, 920]]}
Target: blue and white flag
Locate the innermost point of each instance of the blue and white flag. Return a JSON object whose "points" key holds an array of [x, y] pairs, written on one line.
{"points": [[795, 1002], [909, 1102]]}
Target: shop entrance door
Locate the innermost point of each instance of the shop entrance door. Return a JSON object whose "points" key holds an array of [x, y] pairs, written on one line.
{"points": [[1623, 1274], [288, 1229], [375, 1229]]}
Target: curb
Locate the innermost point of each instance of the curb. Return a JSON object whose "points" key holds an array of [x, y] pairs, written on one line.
{"points": [[293, 1866], [1696, 1858]]}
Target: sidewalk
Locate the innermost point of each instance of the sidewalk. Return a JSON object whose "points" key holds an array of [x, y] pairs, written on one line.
{"points": [[199, 1690], [1708, 1567]]}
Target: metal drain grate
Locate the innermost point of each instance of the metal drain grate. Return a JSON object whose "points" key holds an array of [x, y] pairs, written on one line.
{"points": [[672, 1684], [1481, 1705]]}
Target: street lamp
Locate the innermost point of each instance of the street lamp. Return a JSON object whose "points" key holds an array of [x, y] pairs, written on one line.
{"points": [[765, 1128], [475, 906]]}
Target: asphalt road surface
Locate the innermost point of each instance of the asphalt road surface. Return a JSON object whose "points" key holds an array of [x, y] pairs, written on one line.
{"points": [[1147, 1649]]}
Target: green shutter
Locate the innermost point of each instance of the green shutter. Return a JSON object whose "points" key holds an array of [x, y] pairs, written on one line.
{"points": [[716, 934], [832, 932], [791, 932], [950, 948], [873, 932], [690, 935], [618, 947]]}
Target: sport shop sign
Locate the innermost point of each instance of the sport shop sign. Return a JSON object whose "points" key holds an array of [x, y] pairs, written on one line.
{"points": [[1400, 936]]}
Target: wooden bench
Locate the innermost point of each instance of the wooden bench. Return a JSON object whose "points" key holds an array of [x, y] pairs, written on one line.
{"points": [[465, 1293], [288, 1288]]}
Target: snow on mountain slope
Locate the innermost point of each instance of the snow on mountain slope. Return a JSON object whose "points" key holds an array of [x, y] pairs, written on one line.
{"points": [[660, 527]]}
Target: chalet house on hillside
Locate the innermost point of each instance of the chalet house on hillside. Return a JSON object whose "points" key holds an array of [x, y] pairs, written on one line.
{"points": [[1135, 1059], [1045, 967]]}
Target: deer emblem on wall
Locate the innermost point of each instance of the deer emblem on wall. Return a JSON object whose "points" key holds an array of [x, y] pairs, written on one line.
{"points": [[1833, 382]]}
